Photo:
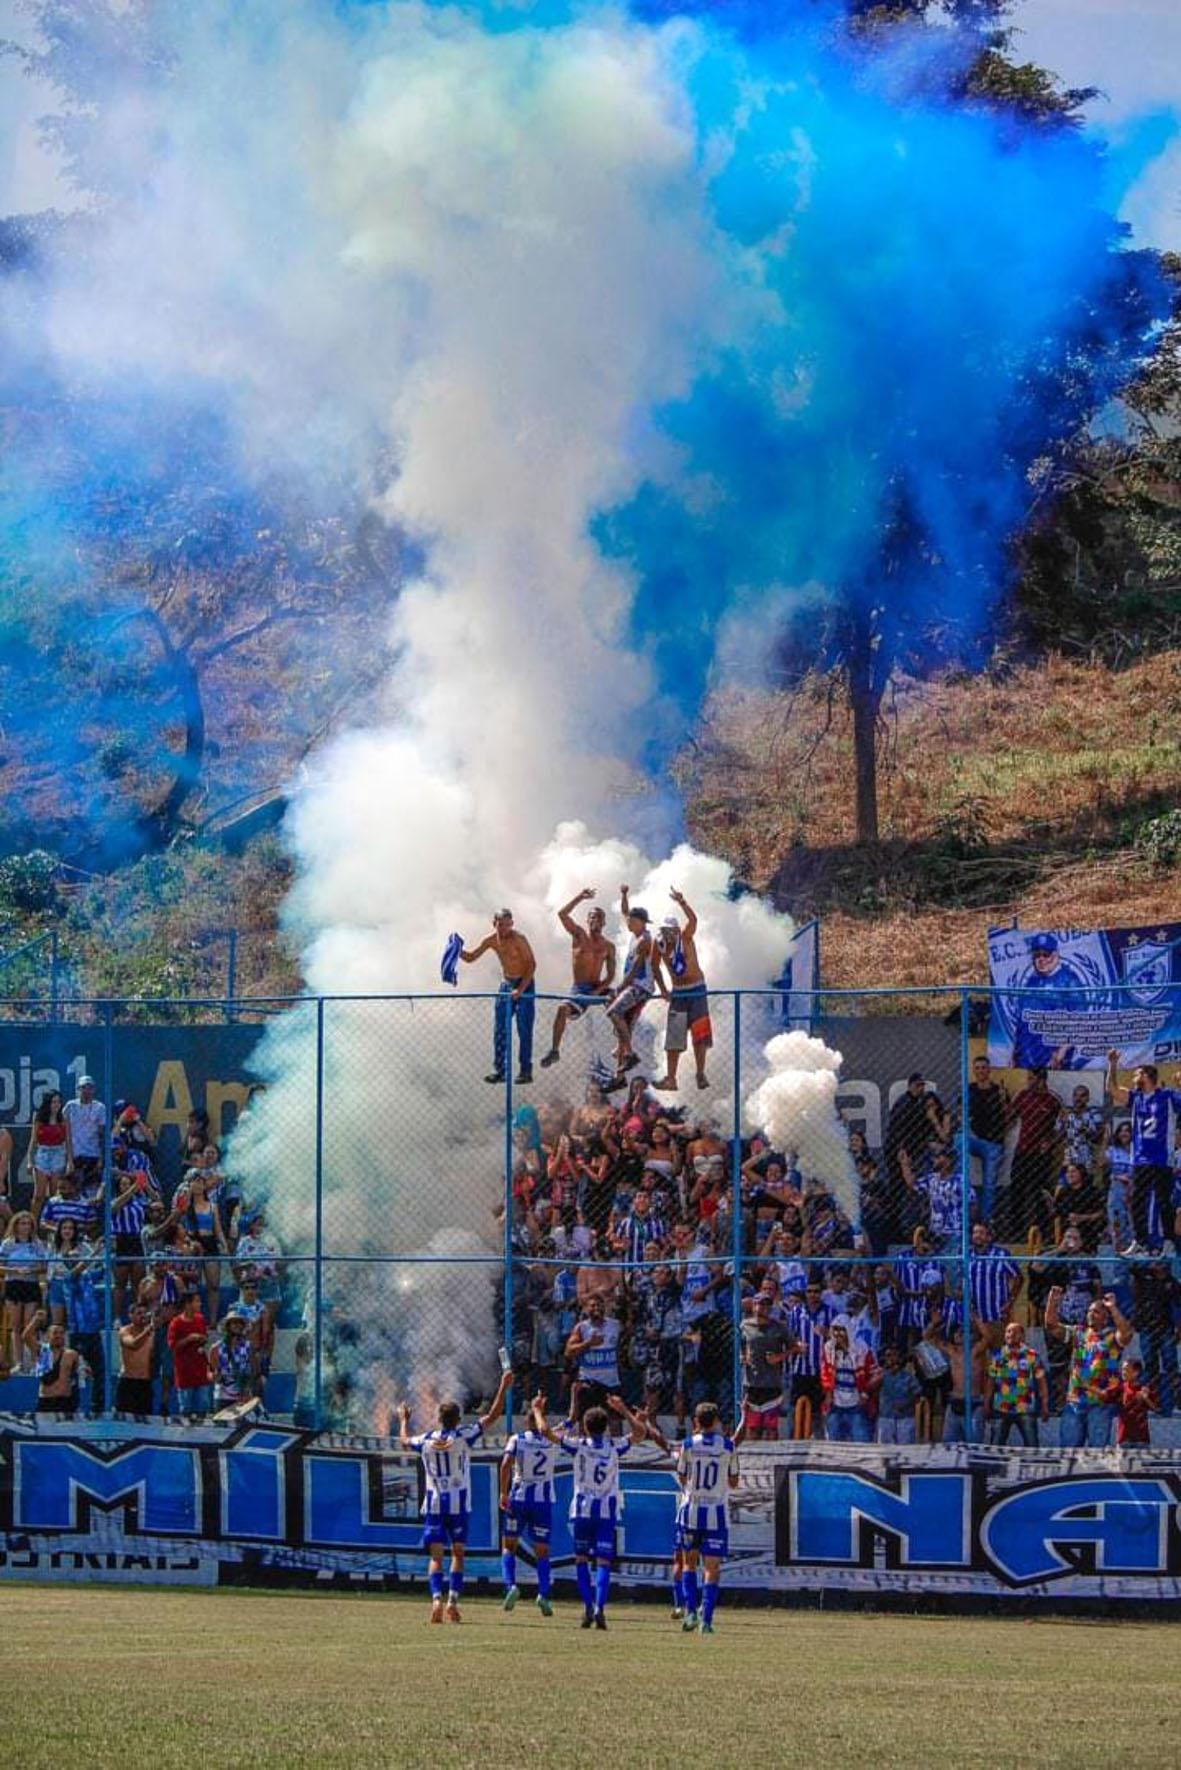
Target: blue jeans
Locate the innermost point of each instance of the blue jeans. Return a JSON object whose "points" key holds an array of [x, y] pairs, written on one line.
{"points": [[522, 1011], [846, 1425], [953, 1424], [192, 1401], [1086, 1424], [990, 1156]]}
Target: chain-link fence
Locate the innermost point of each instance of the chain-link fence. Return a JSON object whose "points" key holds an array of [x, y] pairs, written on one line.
{"points": [[361, 1199]]}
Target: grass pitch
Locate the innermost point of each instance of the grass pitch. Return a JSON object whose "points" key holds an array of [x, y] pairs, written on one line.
{"points": [[162, 1678]]}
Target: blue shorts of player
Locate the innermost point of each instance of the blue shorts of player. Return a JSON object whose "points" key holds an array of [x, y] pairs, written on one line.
{"points": [[528, 1518], [437, 1528], [705, 1542], [594, 1536]]}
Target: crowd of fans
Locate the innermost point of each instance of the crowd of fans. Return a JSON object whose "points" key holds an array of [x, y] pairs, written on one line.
{"points": [[852, 1323], [839, 1300], [195, 1279]]}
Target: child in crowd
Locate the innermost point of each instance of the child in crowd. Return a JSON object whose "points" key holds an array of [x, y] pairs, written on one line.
{"points": [[1135, 1404]]}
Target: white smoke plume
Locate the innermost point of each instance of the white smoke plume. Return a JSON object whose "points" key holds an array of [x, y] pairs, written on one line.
{"points": [[795, 1105], [482, 257]]}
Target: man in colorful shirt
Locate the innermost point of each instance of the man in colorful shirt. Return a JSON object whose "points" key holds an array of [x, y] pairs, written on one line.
{"points": [[1015, 1389], [1093, 1391]]}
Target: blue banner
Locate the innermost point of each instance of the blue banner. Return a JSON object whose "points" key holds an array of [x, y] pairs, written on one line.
{"points": [[1065, 997]]}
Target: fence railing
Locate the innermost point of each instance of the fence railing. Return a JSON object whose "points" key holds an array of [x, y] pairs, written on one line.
{"points": [[432, 1182]]}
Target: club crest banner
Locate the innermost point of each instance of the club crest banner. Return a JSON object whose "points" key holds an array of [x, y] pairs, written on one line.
{"points": [[1065, 997]]}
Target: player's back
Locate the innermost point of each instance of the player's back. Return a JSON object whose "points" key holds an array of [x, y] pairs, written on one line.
{"points": [[534, 1462], [704, 1464], [596, 1474], [446, 1467]]}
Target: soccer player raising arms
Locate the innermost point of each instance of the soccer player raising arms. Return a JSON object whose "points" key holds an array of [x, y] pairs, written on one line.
{"points": [[706, 1471], [527, 1506], [594, 1505], [446, 1468]]}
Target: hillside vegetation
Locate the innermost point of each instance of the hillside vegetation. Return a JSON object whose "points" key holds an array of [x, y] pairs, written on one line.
{"points": [[1022, 794]]}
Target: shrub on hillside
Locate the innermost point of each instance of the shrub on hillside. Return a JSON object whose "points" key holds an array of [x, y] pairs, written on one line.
{"points": [[28, 882], [1159, 839]]}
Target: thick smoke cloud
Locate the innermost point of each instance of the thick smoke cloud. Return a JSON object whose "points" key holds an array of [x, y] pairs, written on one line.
{"points": [[635, 325]]}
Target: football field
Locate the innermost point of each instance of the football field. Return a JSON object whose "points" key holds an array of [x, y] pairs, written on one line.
{"points": [[162, 1678]]}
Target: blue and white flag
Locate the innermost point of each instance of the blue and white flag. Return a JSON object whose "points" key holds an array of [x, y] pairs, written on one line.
{"points": [[449, 965]]}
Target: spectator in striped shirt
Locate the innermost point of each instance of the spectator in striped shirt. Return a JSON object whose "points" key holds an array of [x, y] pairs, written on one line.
{"points": [[636, 1232], [808, 1323], [993, 1282], [908, 1272], [129, 1211], [65, 1205]]}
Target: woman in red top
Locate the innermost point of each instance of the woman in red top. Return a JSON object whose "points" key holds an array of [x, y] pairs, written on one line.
{"points": [[51, 1153]]}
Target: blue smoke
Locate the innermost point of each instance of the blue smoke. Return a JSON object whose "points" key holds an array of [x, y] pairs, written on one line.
{"points": [[923, 303], [945, 299]]}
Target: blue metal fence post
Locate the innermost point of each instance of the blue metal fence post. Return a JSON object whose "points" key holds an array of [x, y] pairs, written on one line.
{"points": [[108, 1263], [318, 1270], [53, 975], [736, 1224], [504, 1005], [965, 1212], [232, 975]]}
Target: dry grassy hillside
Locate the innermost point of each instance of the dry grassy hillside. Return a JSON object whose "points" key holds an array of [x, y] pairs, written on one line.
{"points": [[1019, 795]]}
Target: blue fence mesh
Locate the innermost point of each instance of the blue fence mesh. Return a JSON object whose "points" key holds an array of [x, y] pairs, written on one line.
{"points": [[370, 1195]]}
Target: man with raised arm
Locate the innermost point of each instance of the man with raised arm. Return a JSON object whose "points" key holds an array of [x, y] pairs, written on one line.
{"points": [[707, 1472], [637, 985], [593, 962], [527, 1496], [515, 996], [688, 998], [1152, 1179], [1096, 1353], [594, 1505], [446, 1509]]}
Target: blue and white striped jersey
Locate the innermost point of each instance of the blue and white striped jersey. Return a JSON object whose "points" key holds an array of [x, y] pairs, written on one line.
{"points": [[596, 1475], [447, 1468], [131, 1216], [912, 1310], [812, 1329], [990, 1276], [534, 1462], [704, 1463]]}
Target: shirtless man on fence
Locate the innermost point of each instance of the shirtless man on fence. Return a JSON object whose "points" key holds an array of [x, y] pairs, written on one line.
{"points": [[593, 961], [516, 995], [688, 999]]}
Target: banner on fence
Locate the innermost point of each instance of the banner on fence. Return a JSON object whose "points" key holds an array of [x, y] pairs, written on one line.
{"points": [[1086, 992], [166, 1070], [267, 1505]]}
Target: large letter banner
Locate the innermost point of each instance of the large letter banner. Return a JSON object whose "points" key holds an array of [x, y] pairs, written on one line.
{"points": [[267, 1505]]}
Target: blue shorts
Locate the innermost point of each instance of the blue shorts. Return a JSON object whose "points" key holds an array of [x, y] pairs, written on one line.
{"points": [[439, 1528], [594, 1536], [705, 1542], [530, 1518], [582, 997]]}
